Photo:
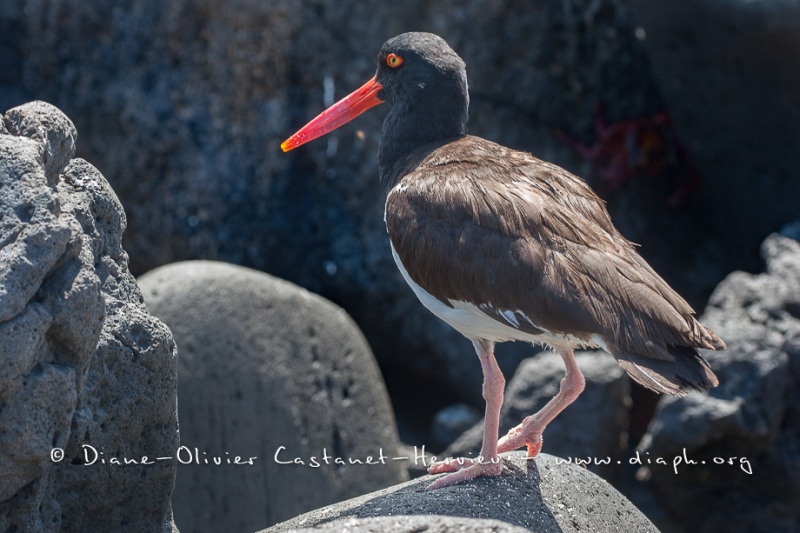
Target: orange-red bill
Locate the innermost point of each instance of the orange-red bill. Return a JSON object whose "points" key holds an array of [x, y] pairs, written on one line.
{"points": [[342, 112]]}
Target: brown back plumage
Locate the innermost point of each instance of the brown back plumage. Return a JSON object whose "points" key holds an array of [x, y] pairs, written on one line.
{"points": [[517, 233]]}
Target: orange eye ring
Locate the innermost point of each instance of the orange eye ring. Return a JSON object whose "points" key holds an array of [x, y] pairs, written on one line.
{"points": [[394, 60]]}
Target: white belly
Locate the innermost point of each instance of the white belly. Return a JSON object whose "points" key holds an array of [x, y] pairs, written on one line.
{"points": [[474, 324]]}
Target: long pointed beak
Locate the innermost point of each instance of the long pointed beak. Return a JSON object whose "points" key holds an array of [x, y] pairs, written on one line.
{"points": [[342, 112]]}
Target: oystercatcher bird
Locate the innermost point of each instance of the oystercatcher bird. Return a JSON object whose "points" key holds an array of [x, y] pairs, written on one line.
{"points": [[505, 247]]}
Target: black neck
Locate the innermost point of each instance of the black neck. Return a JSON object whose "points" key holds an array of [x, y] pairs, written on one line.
{"points": [[407, 128]]}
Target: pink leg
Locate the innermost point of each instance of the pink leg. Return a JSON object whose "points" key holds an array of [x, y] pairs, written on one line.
{"points": [[488, 463], [530, 430]]}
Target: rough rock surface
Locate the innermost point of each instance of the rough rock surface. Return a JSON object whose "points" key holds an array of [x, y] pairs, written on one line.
{"points": [[594, 427], [270, 371], [745, 434], [416, 524], [542, 496], [82, 363]]}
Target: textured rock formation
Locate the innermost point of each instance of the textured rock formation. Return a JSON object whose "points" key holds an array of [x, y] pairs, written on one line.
{"points": [[87, 376], [738, 448], [543, 496], [272, 373], [415, 524]]}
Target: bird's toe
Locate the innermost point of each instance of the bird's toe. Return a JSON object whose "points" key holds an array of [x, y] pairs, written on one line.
{"points": [[469, 469], [516, 438], [450, 465], [534, 446]]}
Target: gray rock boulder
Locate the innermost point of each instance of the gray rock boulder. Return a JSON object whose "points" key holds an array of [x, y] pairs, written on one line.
{"points": [[545, 495], [738, 448], [280, 377], [415, 524], [87, 376], [593, 429]]}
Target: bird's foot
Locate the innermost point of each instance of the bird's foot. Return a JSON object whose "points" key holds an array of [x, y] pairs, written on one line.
{"points": [[519, 437], [463, 469], [529, 431]]}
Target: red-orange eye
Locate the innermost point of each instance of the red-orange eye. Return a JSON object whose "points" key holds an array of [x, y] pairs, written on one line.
{"points": [[394, 60]]}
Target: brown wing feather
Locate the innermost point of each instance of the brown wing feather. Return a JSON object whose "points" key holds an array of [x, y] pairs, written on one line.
{"points": [[518, 233]]}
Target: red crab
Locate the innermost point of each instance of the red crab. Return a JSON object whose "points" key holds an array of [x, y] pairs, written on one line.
{"points": [[640, 147]]}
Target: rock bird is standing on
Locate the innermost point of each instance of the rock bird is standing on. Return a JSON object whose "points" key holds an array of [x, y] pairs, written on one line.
{"points": [[505, 247]]}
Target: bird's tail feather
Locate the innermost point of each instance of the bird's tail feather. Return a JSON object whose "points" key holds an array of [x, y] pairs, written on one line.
{"points": [[686, 371]]}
